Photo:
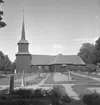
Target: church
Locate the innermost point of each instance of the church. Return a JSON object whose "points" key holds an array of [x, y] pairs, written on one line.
{"points": [[47, 63]]}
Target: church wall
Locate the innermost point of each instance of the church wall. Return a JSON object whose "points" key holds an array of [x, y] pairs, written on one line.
{"points": [[33, 69], [22, 63], [42, 68], [57, 67], [51, 68], [23, 48]]}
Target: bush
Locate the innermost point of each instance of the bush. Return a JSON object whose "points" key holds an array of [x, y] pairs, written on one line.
{"points": [[24, 93], [59, 95], [35, 97], [91, 68], [91, 99], [4, 91], [16, 102], [59, 89], [66, 99], [37, 93], [3, 97]]}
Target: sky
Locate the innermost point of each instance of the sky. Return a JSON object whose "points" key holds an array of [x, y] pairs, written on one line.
{"points": [[51, 26]]}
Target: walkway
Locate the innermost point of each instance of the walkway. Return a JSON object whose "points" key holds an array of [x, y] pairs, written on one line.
{"points": [[35, 86], [68, 87]]}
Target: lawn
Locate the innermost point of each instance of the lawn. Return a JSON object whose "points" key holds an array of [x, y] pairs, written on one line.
{"points": [[80, 83], [90, 74], [76, 79], [5, 79]]}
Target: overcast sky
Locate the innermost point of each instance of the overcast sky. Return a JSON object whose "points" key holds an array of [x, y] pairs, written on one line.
{"points": [[52, 26]]}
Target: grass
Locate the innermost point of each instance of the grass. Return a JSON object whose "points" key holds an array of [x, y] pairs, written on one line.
{"points": [[90, 74], [81, 83], [3, 76], [80, 87], [4, 80]]}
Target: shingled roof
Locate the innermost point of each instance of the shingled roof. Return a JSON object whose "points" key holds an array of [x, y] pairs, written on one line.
{"points": [[59, 59], [67, 59], [42, 59]]}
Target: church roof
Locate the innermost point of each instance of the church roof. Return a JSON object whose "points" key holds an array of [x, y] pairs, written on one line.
{"points": [[23, 53], [23, 41], [67, 59], [59, 59], [42, 59]]}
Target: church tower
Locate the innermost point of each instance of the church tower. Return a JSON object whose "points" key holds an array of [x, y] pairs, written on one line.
{"points": [[23, 57]]}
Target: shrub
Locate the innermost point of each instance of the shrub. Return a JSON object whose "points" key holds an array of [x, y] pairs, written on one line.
{"points": [[60, 90], [4, 91], [15, 102], [35, 97], [91, 99], [66, 99], [37, 93], [3, 97], [24, 93], [55, 93], [59, 95]]}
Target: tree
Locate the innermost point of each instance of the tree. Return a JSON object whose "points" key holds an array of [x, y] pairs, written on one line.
{"points": [[14, 65], [88, 53], [2, 24], [97, 46], [5, 63]]}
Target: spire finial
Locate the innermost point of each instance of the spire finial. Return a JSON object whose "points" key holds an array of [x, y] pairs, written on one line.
{"points": [[23, 28]]}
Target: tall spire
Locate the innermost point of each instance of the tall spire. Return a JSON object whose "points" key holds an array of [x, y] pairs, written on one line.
{"points": [[23, 28], [23, 39]]}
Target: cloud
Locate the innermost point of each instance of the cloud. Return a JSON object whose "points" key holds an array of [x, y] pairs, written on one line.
{"points": [[58, 46], [84, 40]]}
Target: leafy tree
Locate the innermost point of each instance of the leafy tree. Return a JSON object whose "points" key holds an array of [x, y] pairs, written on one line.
{"points": [[2, 24], [14, 65], [5, 63], [97, 46], [88, 53]]}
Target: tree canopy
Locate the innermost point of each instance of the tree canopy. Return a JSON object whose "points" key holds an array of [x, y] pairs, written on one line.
{"points": [[97, 46], [88, 53], [2, 23], [5, 62]]}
